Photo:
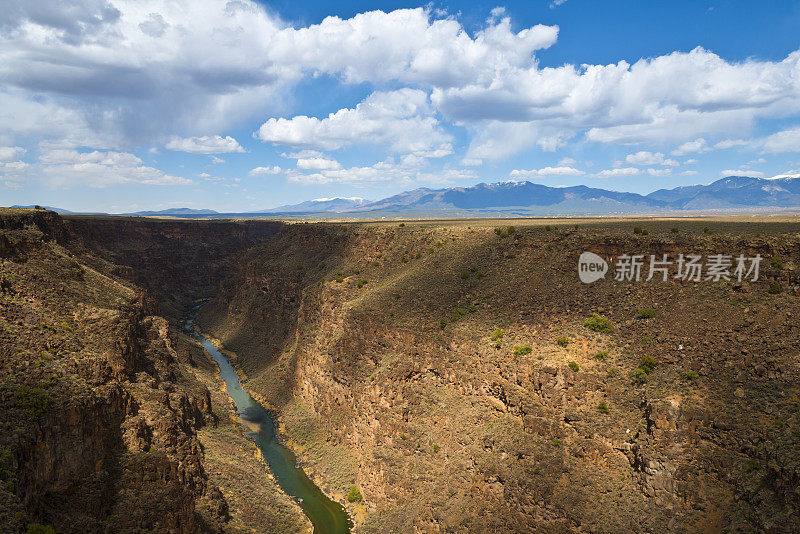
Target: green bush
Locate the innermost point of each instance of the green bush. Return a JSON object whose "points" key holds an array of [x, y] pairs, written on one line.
{"points": [[442, 324], [511, 230], [599, 323], [612, 372], [33, 402], [563, 341], [402, 225], [6, 463], [674, 230], [602, 407], [522, 350], [775, 287], [36, 528], [601, 355], [361, 283], [776, 263], [547, 227], [464, 275], [638, 376], [436, 447], [556, 442], [354, 495], [647, 364], [689, 375], [573, 366], [458, 314], [646, 313], [497, 335], [637, 230]]}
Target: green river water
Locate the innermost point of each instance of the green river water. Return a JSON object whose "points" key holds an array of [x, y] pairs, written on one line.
{"points": [[327, 516]]}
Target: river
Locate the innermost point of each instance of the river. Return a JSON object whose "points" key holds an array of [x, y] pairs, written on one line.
{"points": [[327, 516]]}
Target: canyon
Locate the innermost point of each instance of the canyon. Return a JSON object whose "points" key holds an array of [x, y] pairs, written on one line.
{"points": [[430, 376]]}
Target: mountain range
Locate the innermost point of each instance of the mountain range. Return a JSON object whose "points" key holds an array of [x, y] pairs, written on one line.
{"points": [[506, 199]]}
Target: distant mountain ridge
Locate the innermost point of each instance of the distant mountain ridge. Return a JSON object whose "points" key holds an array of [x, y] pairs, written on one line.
{"points": [[526, 199]]}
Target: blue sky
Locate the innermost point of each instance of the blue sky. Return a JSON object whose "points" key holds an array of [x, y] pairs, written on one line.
{"points": [[111, 105]]}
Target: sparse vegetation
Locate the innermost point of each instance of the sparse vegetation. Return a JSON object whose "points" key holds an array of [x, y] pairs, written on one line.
{"points": [[497, 335], [638, 376], [601, 355], [436, 447], [574, 366], [775, 287], [33, 402], [442, 324], [599, 323], [777, 263], [36, 528], [674, 230], [562, 341], [647, 363], [691, 376], [602, 407], [646, 313], [522, 350], [354, 495]]}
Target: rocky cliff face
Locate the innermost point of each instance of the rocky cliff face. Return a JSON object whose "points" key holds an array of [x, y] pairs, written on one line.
{"points": [[448, 372], [100, 401]]}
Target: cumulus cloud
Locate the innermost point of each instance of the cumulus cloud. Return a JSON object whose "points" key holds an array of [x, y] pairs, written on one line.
{"points": [[68, 168], [265, 170], [780, 142], [546, 171], [318, 164], [401, 119], [643, 157], [697, 146], [622, 171], [208, 144]]}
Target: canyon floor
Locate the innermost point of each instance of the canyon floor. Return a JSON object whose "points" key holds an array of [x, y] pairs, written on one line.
{"points": [[456, 373]]}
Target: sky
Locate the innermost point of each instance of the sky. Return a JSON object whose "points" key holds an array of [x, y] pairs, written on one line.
{"points": [[237, 105]]}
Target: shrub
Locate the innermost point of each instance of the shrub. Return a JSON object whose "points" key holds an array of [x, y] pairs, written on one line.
{"points": [[689, 375], [646, 313], [472, 309], [563, 341], [776, 263], [361, 283], [706, 230], [775, 287], [6, 463], [573, 366], [33, 402], [638, 376], [647, 364], [612, 372], [751, 465], [436, 447], [674, 230], [458, 314], [479, 275], [464, 275], [442, 324], [556, 442], [637, 230], [497, 335], [547, 228], [522, 350], [339, 279], [402, 225], [599, 323], [602, 407], [511, 230], [36, 528], [354, 495], [601, 355]]}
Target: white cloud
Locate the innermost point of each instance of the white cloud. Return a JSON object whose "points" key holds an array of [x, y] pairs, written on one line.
{"points": [[644, 157], [623, 171], [11, 153], [208, 144], [690, 161], [318, 164], [659, 172], [730, 143], [546, 171], [471, 162], [698, 146], [780, 142], [68, 168], [265, 170], [688, 173], [215, 160], [401, 119]]}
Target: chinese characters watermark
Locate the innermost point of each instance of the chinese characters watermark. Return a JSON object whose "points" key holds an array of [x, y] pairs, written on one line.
{"points": [[689, 267]]}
